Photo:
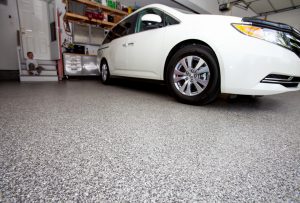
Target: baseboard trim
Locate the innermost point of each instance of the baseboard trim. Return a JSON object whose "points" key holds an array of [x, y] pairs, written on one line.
{"points": [[9, 75]]}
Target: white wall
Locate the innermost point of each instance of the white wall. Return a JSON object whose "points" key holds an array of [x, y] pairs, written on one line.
{"points": [[201, 6], [8, 36], [147, 2], [212, 6], [289, 17]]}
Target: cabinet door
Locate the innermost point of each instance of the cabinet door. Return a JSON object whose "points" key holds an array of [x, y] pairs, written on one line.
{"points": [[89, 65], [72, 64]]}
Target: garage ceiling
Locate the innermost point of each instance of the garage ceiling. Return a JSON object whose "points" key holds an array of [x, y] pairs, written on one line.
{"points": [[265, 7]]}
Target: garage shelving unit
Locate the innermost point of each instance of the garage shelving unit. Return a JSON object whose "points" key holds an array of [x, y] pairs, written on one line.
{"points": [[84, 19]]}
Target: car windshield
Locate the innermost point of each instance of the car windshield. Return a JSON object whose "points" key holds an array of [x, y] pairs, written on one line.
{"points": [[184, 11]]}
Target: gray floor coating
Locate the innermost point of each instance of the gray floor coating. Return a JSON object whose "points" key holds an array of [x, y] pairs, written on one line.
{"points": [[131, 142]]}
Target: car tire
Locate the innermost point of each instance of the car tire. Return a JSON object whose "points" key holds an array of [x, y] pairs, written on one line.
{"points": [[193, 75], [104, 73]]}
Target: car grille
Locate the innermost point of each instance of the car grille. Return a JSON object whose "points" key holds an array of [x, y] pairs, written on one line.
{"points": [[286, 81], [294, 39]]}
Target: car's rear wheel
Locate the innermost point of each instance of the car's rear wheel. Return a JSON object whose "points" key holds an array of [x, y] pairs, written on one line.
{"points": [[105, 74], [193, 75]]}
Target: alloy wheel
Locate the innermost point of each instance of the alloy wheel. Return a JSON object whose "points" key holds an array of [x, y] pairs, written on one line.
{"points": [[191, 75]]}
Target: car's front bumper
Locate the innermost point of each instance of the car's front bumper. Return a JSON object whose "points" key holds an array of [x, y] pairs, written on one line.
{"points": [[245, 65]]}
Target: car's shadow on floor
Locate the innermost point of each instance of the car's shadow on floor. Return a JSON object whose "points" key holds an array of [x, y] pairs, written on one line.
{"points": [[143, 86], [239, 102]]}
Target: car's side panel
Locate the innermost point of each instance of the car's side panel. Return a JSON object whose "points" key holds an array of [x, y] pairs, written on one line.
{"points": [[183, 32], [244, 61], [117, 55], [144, 54], [150, 59]]}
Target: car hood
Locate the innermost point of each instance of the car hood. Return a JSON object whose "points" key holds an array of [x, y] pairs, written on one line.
{"points": [[213, 19]]}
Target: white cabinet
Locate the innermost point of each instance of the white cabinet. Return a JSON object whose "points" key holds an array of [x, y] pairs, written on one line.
{"points": [[80, 65]]}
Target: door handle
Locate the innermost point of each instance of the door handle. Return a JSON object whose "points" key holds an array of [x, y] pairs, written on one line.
{"points": [[128, 44]]}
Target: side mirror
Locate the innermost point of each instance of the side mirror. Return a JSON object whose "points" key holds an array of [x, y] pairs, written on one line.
{"points": [[151, 21], [152, 18]]}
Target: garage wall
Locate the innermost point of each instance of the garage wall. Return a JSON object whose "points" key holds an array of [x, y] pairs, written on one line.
{"points": [[8, 36], [147, 2], [289, 17], [202, 6], [212, 6]]}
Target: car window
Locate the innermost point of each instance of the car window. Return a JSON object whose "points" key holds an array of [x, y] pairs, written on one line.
{"points": [[124, 28], [149, 19], [170, 21]]}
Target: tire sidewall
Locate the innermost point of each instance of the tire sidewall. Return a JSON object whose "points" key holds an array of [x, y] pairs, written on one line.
{"points": [[213, 87], [108, 73]]}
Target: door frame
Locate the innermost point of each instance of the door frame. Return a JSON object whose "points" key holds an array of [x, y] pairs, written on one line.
{"points": [[23, 54]]}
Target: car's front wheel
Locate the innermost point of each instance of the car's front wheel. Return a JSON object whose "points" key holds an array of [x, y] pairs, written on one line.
{"points": [[105, 74], [193, 75]]}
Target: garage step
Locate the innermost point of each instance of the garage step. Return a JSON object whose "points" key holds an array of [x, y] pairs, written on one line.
{"points": [[48, 74], [43, 73], [39, 78], [45, 67]]}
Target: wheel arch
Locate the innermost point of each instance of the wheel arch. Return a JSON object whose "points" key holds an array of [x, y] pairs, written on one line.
{"points": [[185, 43], [103, 59]]}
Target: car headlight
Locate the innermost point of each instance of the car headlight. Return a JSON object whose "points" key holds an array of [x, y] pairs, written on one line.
{"points": [[273, 36]]}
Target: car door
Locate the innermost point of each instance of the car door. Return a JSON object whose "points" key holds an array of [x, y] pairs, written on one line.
{"points": [[117, 38], [144, 47]]}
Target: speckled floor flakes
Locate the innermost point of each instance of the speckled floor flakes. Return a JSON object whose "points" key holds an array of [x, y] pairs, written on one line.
{"points": [[81, 141]]}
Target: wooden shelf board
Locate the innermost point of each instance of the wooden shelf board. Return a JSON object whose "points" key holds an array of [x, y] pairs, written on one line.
{"points": [[79, 54], [104, 8], [84, 19]]}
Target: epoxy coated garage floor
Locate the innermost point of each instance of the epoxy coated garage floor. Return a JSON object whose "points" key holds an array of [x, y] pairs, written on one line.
{"points": [[131, 142]]}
